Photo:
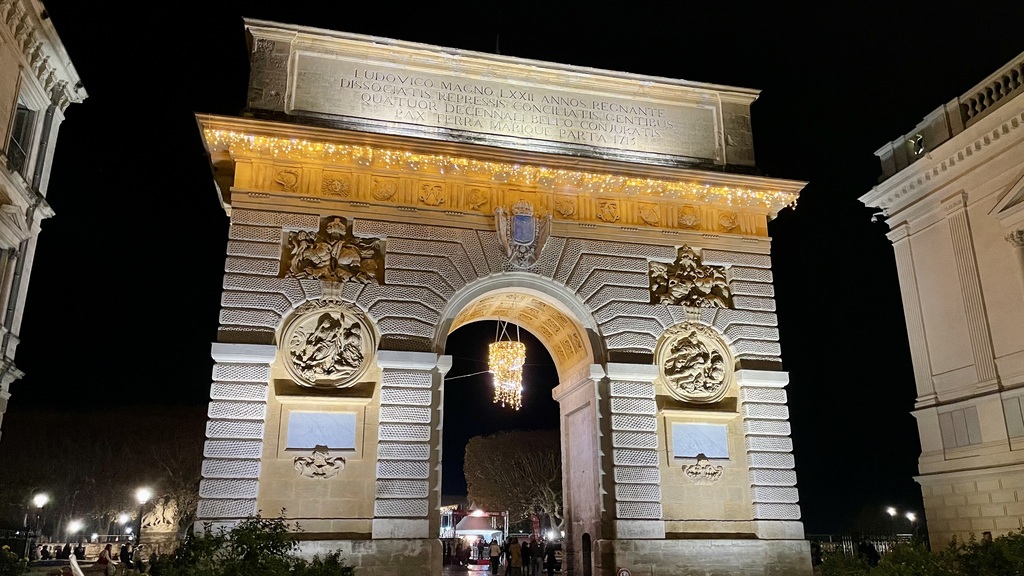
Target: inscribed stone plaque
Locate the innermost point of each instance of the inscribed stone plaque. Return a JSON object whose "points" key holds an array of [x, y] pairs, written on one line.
{"points": [[509, 107], [336, 430], [689, 440]]}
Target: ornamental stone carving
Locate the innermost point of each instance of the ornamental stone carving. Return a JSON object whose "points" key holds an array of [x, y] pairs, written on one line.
{"points": [[703, 472], [695, 364], [607, 210], [163, 517], [384, 188], [327, 344], [320, 464], [649, 214], [566, 206], [287, 180], [335, 186], [689, 217], [728, 220], [334, 254], [522, 234], [1016, 238], [432, 194], [688, 282]]}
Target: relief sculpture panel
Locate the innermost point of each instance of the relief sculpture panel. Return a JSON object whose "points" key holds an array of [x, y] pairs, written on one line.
{"points": [[327, 344], [695, 364], [688, 282], [333, 254]]}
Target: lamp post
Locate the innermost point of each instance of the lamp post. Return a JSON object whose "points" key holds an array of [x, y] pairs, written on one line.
{"points": [[142, 495], [913, 523], [892, 521], [122, 521], [74, 527]]}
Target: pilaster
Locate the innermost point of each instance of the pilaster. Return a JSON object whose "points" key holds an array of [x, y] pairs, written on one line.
{"points": [[900, 238], [634, 440], [408, 468], [970, 287], [234, 432], [769, 453]]}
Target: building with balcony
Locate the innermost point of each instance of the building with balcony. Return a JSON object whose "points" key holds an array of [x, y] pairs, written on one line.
{"points": [[952, 191], [37, 84]]}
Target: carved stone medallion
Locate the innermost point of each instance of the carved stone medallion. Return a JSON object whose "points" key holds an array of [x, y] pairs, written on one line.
{"points": [[333, 254], [703, 472], [689, 282], [607, 210], [695, 364], [689, 217], [320, 464], [327, 344]]}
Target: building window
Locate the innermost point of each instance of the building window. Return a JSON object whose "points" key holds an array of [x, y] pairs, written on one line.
{"points": [[1014, 412], [21, 135], [689, 440], [960, 428]]}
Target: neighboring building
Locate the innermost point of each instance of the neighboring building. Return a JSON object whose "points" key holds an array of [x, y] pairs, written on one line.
{"points": [[37, 83], [953, 193]]}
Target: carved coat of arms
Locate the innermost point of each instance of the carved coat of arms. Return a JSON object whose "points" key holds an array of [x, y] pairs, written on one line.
{"points": [[522, 234]]}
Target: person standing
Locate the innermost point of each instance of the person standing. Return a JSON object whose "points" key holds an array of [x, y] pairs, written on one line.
{"points": [[106, 560], [536, 556], [515, 558], [526, 557], [550, 558], [127, 556], [495, 551]]}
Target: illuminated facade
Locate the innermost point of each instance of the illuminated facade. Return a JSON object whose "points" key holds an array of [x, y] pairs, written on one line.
{"points": [[37, 83], [382, 194], [952, 191]]}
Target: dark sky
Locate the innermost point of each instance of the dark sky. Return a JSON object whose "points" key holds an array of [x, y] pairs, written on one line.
{"points": [[130, 268]]}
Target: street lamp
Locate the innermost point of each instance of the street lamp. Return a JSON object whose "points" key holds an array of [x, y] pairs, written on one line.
{"points": [[892, 520], [74, 527], [142, 495], [913, 523]]}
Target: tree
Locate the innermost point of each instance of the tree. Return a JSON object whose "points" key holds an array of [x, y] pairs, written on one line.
{"points": [[518, 471]]}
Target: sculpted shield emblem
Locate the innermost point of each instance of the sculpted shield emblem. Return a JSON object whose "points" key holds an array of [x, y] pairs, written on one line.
{"points": [[524, 230]]}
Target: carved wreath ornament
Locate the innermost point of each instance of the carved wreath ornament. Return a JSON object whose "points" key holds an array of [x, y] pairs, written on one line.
{"points": [[695, 363], [328, 345], [319, 464]]}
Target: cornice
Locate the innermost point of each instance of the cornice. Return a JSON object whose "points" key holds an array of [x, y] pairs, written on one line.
{"points": [[975, 145], [41, 50]]}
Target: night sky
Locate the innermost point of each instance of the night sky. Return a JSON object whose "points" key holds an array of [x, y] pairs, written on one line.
{"points": [[125, 291]]}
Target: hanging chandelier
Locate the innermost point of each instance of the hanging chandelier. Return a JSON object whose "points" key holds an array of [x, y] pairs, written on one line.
{"points": [[505, 360]]}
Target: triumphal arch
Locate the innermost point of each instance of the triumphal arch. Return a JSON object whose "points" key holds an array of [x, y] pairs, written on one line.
{"points": [[382, 194]]}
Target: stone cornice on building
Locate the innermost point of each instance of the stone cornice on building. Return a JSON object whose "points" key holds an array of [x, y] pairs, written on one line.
{"points": [[977, 144], [25, 24]]}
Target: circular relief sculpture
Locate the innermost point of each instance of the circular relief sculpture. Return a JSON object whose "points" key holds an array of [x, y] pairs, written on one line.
{"points": [[695, 363], [327, 344]]}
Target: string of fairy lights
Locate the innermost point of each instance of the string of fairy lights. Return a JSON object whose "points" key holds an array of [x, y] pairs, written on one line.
{"points": [[511, 173]]}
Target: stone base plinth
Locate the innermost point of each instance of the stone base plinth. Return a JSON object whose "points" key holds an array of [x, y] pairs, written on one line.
{"points": [[703, 557], [407, 557]]}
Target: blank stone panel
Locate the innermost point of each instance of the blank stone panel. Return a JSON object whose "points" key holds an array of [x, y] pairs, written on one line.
{"points": [[246, 317], [251, 391], [756, 348], [254, 250], [252, 266], [723, 258], [404, 414], [752, 289], [400, 451], [406, 308], [763, 395], [412, 432], [243, 449], [648, 440], [229, 488], [635, 475], [213, 468], [255, 234], [634, 406], [402, 469], [373, 293], [638, 492], [751, 274], [402, 489], [633, 310], [632, 389], [262, 301], [241, 429], [777, 494], [781, 461], [403, 508], [241, 372], [631, 342], [410, 396], [767, 427], [770, 477], [763, 511], [753, 303], [643, 325], [289, 287], [624, 457], [604, 294], [427, 280], [725, 317], [742, 332], [638, 510], [769, 444], [637, 423], [308, 222], [237, 410], [766, 411], [401, 378], [210, 508]]}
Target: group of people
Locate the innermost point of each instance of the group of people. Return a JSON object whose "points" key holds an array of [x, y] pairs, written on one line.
{"points": [[522, 559], [44, 552], [106, 559]]}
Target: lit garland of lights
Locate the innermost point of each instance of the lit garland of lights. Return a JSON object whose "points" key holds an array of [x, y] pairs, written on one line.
{"points": [[518, 174], [505, 360]]}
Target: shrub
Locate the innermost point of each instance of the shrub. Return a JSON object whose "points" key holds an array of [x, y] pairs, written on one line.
{"points": [[10, 564]]}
